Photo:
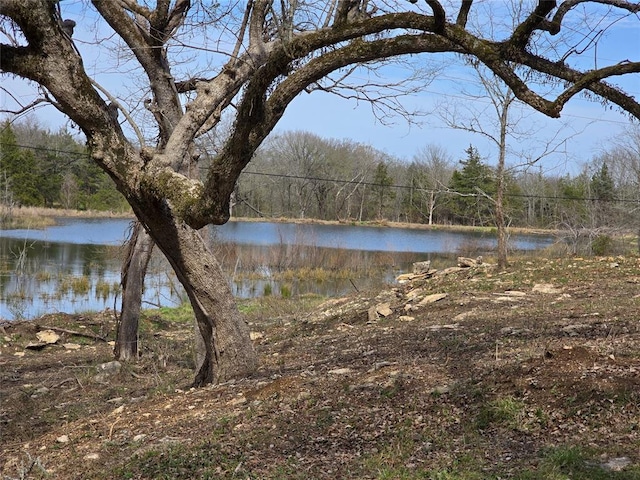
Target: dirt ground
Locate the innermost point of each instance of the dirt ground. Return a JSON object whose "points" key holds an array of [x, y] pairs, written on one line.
{"points": [[531, 373]]}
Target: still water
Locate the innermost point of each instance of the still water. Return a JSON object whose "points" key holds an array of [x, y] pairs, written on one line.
{"points": [[75, 265]]}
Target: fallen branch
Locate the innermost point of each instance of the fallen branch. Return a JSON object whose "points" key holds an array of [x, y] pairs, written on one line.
{"points": [[74, 332]]}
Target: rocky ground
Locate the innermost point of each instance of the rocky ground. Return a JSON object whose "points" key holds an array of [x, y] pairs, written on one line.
{"points": [[469, 373]]}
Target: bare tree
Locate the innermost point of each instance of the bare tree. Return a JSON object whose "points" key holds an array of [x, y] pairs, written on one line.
{"points": [[430, 173], [264, 56], [502, 121], [623, 160]]}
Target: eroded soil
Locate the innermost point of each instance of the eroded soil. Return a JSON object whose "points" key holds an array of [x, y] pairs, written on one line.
{"points": [[528, 373]]}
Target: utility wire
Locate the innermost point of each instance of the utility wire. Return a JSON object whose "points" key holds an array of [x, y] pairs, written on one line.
{"points": [[373, 184], [451, 192]]}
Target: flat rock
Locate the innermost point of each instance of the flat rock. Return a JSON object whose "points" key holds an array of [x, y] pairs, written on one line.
{"points": [[512, 293], [256, 335], [106, 370], [450, 270], [617, 464], [48, 336], [506, 299], [432, 298], [384, 309], [546, 288], [405, 278], [466, 262], [464, 315], [110, 368], [372, 314], [421, 267], [450, 326], [413, 294]]}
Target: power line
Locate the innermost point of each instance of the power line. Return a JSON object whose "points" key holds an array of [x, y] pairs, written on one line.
{"points": [[374, 184], [46, 149], [446, 192]]}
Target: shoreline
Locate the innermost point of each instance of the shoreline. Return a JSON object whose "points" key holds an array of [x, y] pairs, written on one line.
{"points": [[33, 213]]}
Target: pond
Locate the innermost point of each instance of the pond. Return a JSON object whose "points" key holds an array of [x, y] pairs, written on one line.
{"points": [[74, 266]]}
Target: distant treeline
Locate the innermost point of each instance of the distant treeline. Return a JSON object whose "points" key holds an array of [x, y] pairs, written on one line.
{"points": [[45, 169], [301, 175]]}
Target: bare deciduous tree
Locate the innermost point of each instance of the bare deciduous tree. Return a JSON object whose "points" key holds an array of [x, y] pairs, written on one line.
{"points": [[266, 54], [430, 173]]}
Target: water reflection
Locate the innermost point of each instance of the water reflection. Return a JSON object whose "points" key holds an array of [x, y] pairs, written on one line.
{"points": [[75, 266], [84, 231], [45, 277], [368, 238]]}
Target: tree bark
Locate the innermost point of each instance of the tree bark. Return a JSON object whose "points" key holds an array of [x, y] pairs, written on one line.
{"points": [[134, 270], [228, 351], [503, 110], [500, 222]]}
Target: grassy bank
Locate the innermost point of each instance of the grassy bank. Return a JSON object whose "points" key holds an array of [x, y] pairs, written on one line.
{"points": [[39, 217]]}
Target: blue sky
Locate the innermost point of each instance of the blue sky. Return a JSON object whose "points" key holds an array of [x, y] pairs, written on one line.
{"points": [[587, 126]]}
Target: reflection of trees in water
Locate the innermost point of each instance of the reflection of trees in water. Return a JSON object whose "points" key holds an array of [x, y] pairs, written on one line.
{"points": [[275, 259], [46, 276], [38, 276]]}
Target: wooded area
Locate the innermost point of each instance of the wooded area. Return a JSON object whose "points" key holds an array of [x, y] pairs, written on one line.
{"points": [[45, 169], [300, 175]]}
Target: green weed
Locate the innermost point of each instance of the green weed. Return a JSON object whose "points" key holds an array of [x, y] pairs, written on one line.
{"points": [[570, 462], [183, 313], [285, 291], [506, 411], [180, 462]]}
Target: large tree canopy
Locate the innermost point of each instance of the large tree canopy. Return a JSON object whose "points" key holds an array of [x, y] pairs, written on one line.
{"points": [[266, 53]]}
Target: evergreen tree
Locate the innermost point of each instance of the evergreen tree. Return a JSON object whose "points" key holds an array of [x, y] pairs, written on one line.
{"points": [[572, 209], [40, 168], [603, 193], [382, 187], [602, 187], [470, 186], [18, 166]]}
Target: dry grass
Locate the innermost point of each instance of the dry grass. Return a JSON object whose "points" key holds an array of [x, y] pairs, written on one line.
{"points": [[26, 212], [40, 217]]}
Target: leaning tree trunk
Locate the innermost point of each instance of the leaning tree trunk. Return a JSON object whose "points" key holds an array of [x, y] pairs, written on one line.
{"points": [[500, 187], [228, 350], [501, 226], [134, 270]]}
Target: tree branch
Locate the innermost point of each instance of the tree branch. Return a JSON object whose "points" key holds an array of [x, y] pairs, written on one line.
{"points": [[564, 72], [595, 76], [555, 24], [258, 115], [124, 111], [25, 108], [523, 32], [241, 32], [439, 16], [463, 14], [148, 47], [176, 18]]}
